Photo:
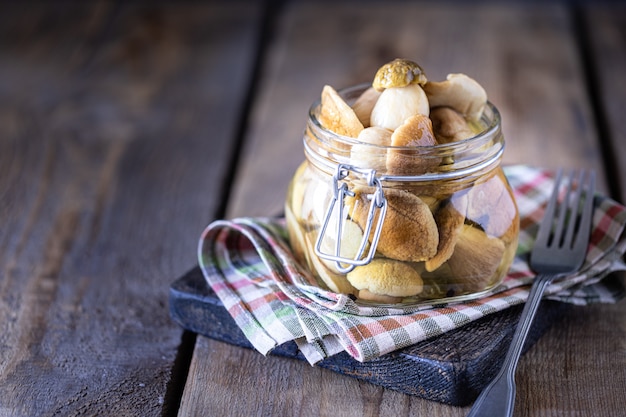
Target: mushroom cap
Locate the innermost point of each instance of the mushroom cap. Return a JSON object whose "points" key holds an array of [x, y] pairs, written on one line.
{"points": [[476, 259], [409, 231], [364, 104], [416, 131], [449, 125], [462, 93], [387, 277], [336, 115], [493, 206], [398, 73], [364, 155], [450, 218]]}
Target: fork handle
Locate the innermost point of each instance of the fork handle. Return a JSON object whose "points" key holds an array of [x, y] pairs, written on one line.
{"points": [[498, 398]]}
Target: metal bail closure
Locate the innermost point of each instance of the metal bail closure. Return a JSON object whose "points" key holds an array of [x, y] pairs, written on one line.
{"points": [[336, 206]]}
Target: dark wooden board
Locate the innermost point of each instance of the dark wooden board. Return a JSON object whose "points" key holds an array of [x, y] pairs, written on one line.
{"points": [[451, 368]]}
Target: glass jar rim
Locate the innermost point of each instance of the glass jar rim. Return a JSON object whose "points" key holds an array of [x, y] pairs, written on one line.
{"points": [[491, 129], [485, 149]]}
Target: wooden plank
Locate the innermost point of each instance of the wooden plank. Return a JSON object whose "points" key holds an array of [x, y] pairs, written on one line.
{"points": [[231, 381], [116, 129], [605, 26], [581, 366], [527, 59]]}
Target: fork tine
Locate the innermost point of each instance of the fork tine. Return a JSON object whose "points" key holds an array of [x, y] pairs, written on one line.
{"points": [[545, 228], [584, 230], [557, 238], [573, 203]]}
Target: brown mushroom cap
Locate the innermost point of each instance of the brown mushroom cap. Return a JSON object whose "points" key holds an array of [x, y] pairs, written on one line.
{"points": [[492, 205], [387, 277], [398, 73], [336, 115], [450, 218], [409, 231], [475, 259], [449, 125], [416, 131]]}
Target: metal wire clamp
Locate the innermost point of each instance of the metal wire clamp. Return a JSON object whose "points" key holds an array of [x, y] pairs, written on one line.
{"points": [[340, 191]]}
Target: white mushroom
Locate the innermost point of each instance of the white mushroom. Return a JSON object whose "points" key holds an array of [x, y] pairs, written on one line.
{"points": [[335, 282], [462, 93], [367, 156], [396, 104], [364, 104]]}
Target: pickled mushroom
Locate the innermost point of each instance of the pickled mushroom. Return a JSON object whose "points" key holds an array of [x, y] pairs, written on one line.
{"points": [[450, 219], [493, 206], [398, 73], [462, 93], [476, 258], [396, 104], [351, 238], [336, 115], [364, 104], [409, 231], [415, 131], [387, 277], [373, 157], [449, 125], [335, 282]]}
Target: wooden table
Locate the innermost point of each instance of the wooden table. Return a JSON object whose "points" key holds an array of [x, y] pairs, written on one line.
{"points": [[125, 128]]}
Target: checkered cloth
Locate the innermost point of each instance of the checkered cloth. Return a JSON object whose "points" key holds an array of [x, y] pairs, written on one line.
{"points": [[248, 263]]}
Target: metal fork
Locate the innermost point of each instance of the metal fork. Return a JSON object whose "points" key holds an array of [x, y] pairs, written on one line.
{"points": [[559, 249]]}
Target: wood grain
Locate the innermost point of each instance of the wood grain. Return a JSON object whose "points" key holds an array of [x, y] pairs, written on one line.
{"points": [[286, 387], [606, 29], [578, 367], [116, 130]]}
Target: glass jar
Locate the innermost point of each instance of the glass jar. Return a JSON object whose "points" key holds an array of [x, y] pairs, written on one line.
{"points": [[403, 225]]}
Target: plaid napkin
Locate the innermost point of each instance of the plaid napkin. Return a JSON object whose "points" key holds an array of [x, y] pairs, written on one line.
{"points": [[248, 263]]}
